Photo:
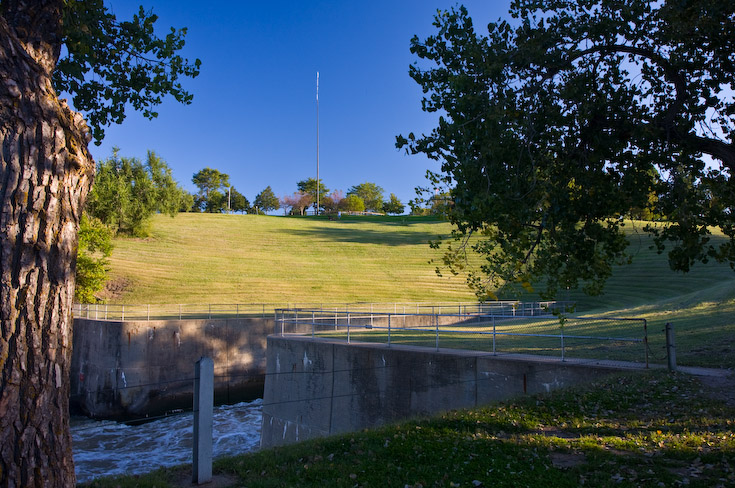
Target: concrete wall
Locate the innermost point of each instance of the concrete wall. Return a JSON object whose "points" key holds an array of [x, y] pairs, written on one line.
{"points": [[318, 387], [125, 370]]}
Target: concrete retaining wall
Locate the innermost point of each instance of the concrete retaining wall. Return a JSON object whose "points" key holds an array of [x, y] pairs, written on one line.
{"points": [[126, 370], [318, 387]]}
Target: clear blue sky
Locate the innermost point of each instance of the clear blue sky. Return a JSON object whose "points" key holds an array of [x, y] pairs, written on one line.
{"points": [[254, 110]]}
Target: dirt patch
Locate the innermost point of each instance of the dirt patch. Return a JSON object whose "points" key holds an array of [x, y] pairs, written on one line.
{"points": [[114, 289]]}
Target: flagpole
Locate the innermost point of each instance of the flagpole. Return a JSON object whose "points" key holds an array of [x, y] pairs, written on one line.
{"points": [[317, 143]]}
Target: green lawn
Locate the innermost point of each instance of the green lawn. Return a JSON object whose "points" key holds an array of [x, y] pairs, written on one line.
{"points": [[207, 258], [203, 259], [643, 430]]}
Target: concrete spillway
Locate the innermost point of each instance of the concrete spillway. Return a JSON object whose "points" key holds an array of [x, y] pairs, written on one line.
{"points": [[318, 387]]}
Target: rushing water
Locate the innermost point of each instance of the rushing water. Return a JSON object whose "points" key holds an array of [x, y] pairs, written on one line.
{"points": [[110, 448]]}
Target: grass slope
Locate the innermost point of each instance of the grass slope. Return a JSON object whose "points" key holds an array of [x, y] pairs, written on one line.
{"points": [[217, 259], [207, 258]]}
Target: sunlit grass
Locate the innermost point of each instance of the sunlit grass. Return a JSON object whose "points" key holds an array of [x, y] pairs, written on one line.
{"points": [[206, 258]]}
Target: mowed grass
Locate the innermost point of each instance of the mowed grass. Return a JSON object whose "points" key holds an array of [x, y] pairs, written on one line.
{"points": [[225, 259], [207, 258]]}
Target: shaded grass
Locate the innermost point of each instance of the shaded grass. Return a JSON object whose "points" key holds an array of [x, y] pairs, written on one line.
{"points": [[652, 429]]}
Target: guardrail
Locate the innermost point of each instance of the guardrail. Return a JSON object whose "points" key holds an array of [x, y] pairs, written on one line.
{"points": [[623, 339], [122, 312]]}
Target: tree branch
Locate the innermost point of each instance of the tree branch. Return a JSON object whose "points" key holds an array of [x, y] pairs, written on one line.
{"points": [[38, 25]]}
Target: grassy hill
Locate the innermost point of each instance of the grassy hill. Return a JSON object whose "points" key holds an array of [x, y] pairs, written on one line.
{"points": [[207, 258], [212, 258], [226, 259]]}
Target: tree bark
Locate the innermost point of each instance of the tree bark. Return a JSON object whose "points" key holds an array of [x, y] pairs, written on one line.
{"points": [[45, 174]]}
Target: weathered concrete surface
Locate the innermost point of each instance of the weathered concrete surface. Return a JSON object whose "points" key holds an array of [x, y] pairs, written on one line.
{"points": [[318, 387], [127, 370]]}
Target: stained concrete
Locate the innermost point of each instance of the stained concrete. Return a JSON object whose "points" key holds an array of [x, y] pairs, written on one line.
{"points": [[317, 387], [127, 370]]}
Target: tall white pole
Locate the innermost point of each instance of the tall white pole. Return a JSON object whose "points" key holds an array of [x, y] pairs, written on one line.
{"points": [[317, 143]]}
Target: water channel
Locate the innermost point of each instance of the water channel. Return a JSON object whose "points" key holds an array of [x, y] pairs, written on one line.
{"points": [[104, 448]]}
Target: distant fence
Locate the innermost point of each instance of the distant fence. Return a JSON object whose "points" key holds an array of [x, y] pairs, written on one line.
{"points": [[530, 332], [122, 312]]}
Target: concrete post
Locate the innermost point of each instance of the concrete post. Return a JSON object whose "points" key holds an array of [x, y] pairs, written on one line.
{"points": [[203, 412], [670, 347]]}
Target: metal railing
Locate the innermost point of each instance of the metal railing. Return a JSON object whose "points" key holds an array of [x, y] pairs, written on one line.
{"points": [[123, 312], [602, 338]]}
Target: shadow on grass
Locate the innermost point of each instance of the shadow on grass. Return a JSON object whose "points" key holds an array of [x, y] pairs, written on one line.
{"points": [[392, 236]]}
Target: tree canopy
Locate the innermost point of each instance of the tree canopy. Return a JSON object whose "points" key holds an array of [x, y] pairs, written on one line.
{"points": [[309, 187], [109, 65], [554, 124], [394, 205], [127, 192], [213, 186], [266, 200], [370, 193]]}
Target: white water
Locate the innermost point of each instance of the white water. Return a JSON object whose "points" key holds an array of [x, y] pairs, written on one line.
{"points": [[104, 448]]}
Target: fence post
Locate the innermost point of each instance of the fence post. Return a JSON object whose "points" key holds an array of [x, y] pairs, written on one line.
{"points": [[561, 333], [389, 330], [123, 313], [493, 319], [436, 322], [203, 412], [670, 347], [148, 313], [312, 324], [645, 339]]}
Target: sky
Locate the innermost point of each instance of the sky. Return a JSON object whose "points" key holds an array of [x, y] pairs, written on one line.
{"points": [[254, 114]]}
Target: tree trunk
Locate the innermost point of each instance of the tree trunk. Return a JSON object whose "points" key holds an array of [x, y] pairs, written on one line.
{"points": [[45, 174]]}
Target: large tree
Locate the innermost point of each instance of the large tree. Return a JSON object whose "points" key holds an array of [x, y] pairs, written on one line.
{"points": [[127, 193], [212, 184], [309, 187], [370, 193], [49, 46], [555, 124], [266, 200]]}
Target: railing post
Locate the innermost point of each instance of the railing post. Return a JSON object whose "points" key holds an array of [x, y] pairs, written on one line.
{"points": [[122, 313], [210, 310], [645, 339], [389, 330], [312, 324], [493, 319], [670, 347], [348, 327], [203, 413], [436, 322], [562, 341], [148, 313]]}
